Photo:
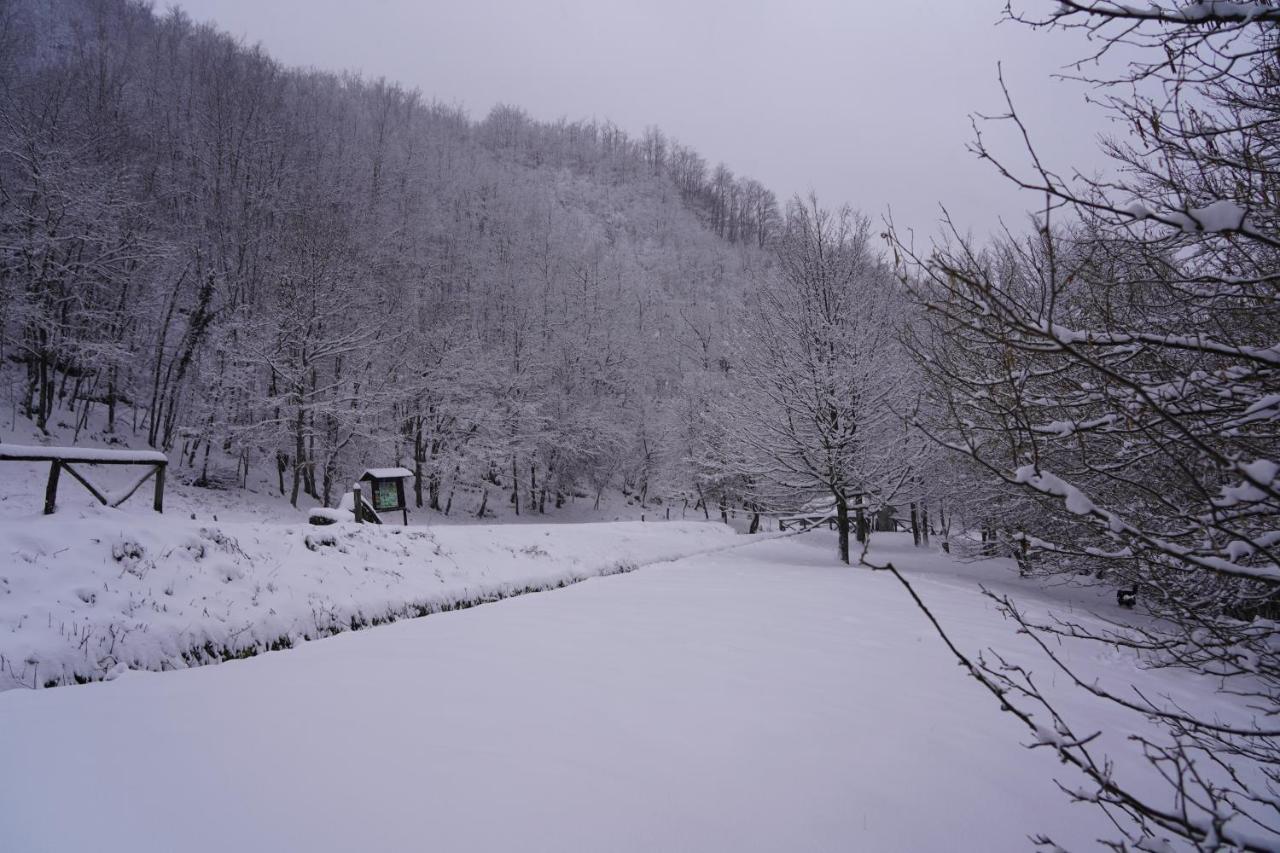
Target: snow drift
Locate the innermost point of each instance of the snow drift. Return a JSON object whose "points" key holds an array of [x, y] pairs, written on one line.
{"points": [[82, 599]]}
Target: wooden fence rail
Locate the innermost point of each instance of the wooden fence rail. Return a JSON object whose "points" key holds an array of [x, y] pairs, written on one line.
{"points": [[60, 459]]}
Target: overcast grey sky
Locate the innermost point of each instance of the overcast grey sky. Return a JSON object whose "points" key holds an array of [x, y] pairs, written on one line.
{"points": [[864, 101]]}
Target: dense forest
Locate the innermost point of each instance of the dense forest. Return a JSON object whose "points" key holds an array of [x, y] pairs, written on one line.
{"points": [[305, 272]]}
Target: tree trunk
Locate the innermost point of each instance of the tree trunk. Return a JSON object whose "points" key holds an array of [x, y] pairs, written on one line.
{"points": [[515, 483], [299, 451], [111, 399], [199, 321], [862, 525], [1023, 557], [418, 451], [309, 469], [842, 526], [33, 382], [988, 541], [433, 482], [46, 392]]}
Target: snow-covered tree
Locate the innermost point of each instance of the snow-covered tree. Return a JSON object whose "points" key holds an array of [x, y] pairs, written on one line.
{"points": [[1115, 375], [319, 272], [820, 380]]}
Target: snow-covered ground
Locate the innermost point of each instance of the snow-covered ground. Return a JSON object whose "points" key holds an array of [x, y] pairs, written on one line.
{"points": [[760, 698], [86, 592], [225, 572]]}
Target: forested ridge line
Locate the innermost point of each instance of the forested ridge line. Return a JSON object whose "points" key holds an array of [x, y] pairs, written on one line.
{"points": [[307, 271]]}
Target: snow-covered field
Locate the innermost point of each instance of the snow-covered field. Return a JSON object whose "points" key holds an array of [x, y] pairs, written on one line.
{"points": [[759, 698], [87, 592]]}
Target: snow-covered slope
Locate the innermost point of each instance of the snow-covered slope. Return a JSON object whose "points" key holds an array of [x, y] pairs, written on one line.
{"points": [[84, 594]]}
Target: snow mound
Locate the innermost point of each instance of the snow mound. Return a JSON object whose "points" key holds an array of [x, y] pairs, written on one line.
{"points": [[80, 598]]}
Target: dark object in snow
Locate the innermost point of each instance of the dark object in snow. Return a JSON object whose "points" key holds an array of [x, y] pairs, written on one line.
{"points": [[322, 516], [1127, 597], [886, 520]]}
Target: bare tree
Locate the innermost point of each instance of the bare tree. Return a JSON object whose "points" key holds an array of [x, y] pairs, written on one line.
{"points": [[819, 371], [1115, 375]]}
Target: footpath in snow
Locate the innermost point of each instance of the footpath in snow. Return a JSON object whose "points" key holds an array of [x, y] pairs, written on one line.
{"points": [[755, 699], [87, 594]]}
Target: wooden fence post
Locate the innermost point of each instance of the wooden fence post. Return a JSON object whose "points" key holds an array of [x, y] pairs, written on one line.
{"points": [[355, 503], [159, 500], [51, 489]]}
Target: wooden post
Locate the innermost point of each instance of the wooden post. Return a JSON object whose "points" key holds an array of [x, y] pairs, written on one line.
{"points": [[355, 502], [158, 504], [51, 489]]}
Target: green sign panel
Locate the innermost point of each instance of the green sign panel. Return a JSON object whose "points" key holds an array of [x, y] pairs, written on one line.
{"points": [[386, 494]]}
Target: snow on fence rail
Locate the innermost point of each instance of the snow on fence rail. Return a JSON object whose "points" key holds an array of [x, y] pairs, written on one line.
{"points": [[37, 453]]}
